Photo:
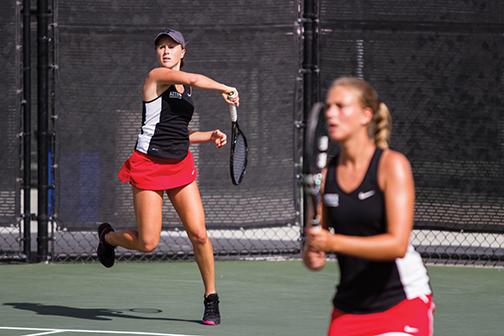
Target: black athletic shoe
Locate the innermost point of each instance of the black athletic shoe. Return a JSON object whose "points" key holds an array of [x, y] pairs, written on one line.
{"points": [[105, 251], [211, 316]]}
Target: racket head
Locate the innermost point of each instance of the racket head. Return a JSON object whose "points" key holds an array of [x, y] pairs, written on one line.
{"points": [[238, 155], [316, 141]]}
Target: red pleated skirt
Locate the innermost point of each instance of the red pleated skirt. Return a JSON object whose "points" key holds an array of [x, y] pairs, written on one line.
{"points": [[150, 173]]}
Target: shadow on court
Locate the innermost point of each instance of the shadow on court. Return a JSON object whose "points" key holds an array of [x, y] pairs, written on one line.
{"points": [[97, 314]]}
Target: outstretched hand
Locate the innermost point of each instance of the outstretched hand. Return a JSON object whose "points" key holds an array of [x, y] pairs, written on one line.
{"points": [[219, 138]]}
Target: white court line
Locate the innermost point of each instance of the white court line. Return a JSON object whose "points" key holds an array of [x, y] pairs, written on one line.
{"points": [[44, 333], [54, 331]]}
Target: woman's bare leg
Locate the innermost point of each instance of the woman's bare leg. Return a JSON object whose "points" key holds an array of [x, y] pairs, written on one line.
{"points": [[187, 202], [148, 209]]}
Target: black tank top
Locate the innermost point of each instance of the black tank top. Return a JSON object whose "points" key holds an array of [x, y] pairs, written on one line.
{"points": [[365, 286], [165, 122]]}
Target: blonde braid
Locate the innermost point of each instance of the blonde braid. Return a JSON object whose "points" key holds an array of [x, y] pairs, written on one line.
{"points": [[381, 126]]}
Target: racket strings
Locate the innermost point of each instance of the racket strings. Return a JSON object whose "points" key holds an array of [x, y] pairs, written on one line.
{"points": [[316, 144], [239, 157]]}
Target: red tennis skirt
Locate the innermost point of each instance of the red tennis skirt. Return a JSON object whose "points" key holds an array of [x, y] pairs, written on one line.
{"points": [[408, 317], [150, 173]]}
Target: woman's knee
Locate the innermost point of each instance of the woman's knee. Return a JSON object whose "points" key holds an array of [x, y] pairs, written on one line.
{"points": [[148, 245], [199, 237]]}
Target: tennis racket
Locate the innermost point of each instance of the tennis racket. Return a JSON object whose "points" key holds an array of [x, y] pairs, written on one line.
{"points": [[239, 147], [316, 143]]}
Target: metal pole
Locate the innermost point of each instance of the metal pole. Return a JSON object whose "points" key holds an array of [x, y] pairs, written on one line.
{"points": [[307, 56], [27, 128], [311, 91], [315, 55], [43, 122]]}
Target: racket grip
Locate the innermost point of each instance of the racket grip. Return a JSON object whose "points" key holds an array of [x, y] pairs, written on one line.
{"points": [[315, 224], [232, 95], [233, 113]]}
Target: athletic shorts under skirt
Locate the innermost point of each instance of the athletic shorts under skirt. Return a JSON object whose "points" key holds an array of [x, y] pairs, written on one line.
{"points": [[149, 173], [408, 317]]}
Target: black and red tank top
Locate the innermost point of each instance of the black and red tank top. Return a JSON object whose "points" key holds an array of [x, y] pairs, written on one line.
{"points": [[368, 286], [165, 124]]}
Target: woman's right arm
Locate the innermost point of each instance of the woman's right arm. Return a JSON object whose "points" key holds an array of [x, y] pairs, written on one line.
{"points": [[164, 76]]}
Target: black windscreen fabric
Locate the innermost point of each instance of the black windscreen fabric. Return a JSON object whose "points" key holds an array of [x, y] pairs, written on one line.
{"points": [[104, 51], [411, 11], [9, 126], [439, 67]]}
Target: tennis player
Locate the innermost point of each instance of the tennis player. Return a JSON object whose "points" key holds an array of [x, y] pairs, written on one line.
{"points": [[162, 162], [367, 217]]}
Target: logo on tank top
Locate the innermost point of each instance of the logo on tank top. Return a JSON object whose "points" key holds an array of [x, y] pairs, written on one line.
{"points": [[175, 94], [364, 195], [331, 200]]}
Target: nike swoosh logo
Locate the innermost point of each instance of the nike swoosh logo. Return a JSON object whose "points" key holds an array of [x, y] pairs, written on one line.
{"points": [[363, 195], [409, 329]]}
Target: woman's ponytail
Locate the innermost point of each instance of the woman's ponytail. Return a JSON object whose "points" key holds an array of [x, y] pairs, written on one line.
{"points": [[381, 126]]}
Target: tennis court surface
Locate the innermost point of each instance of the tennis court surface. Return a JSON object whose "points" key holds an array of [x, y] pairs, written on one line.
{"points": [[257, 298]]}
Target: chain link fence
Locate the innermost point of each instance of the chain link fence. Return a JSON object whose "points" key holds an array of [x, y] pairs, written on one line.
{"points": [[10, 126], [102, 64], [437, 65]]}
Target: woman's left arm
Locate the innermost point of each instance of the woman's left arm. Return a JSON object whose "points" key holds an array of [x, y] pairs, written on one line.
{"points": [[218, 137], [399, 190]]}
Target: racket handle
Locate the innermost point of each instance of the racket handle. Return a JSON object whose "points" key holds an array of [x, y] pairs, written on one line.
{"points": [[232, 108], [233, 113]]}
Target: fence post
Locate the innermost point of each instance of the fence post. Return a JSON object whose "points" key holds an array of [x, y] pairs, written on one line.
{"points": [[311, 87], [43, 122], [26, 103]]}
